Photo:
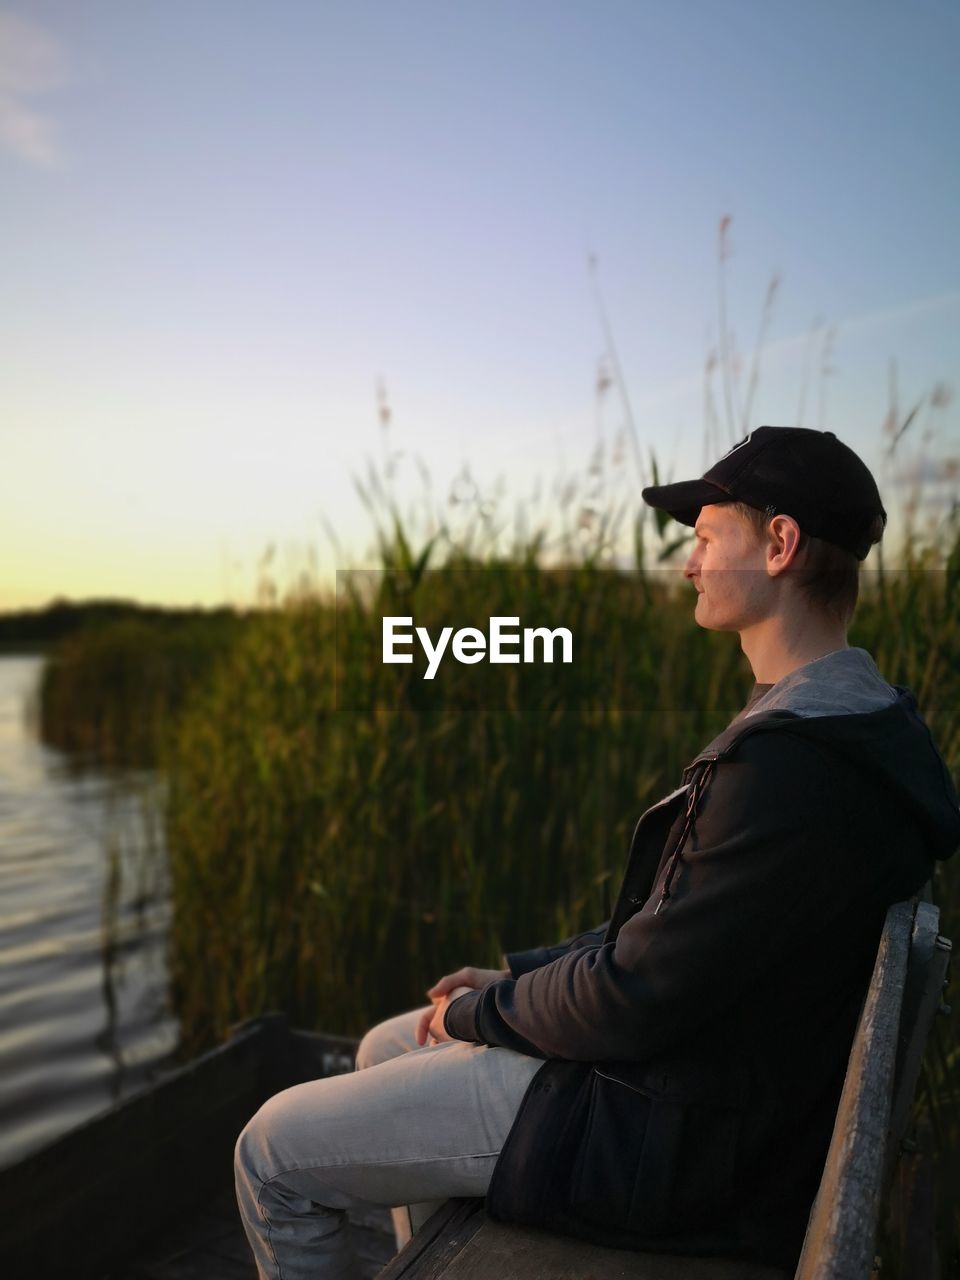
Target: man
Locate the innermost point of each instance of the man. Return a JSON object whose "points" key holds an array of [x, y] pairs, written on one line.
{"points": [[669, 1080]]}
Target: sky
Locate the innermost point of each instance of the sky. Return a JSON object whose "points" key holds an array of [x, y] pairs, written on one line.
{"points": [[232, 232]]}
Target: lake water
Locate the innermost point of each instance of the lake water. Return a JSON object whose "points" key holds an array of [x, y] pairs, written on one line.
{"points": [[84, 913]]}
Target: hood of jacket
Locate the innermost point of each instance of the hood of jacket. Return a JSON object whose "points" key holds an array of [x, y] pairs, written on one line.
{"points": [[842, 703]]}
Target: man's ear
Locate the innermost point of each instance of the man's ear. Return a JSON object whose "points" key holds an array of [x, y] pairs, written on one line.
{"points": [[784, 545]]}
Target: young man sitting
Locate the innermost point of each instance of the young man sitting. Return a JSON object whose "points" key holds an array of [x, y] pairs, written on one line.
{"points": [[669, 1080]]}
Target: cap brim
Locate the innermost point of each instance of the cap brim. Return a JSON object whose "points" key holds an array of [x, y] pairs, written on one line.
{"points": [[684, 499]]}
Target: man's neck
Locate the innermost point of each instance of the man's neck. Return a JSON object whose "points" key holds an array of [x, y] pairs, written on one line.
{"points": [[779, 645]]}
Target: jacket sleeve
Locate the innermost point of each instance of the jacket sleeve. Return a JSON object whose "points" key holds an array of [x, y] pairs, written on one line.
{"points": [[755, 870], [524, 961]]}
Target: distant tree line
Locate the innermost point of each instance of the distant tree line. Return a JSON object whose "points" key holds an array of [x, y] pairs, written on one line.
{"points": [[37, 629]]}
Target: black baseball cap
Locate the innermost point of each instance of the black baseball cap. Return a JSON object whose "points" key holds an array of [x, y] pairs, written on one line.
{"points": [[792, 471]]}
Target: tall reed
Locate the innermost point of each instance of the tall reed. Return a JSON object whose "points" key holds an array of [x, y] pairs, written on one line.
{"points": [[111, 690]]}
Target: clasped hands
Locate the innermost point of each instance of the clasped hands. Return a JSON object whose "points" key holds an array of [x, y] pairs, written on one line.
{"points": [[429, 1028]]}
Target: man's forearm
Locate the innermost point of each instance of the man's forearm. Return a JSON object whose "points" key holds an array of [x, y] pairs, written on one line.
{"points": [[518, 962]]}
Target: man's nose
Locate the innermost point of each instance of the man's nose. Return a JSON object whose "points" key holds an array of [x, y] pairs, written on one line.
{"points": [[692, 567]]}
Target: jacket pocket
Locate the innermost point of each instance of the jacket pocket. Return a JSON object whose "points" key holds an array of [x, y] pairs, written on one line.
{"points": [[659, 1148]]}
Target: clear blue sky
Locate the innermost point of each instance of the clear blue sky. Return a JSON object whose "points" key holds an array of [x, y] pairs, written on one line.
{"points": [[223, 222]]}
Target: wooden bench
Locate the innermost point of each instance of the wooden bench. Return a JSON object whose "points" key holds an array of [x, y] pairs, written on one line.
{"points": [[460, 1243]]}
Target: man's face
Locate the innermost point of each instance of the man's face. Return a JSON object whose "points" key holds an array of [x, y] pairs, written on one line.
{"points": [[728, 568]]}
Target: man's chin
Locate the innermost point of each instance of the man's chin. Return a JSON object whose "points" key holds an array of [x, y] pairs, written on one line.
{"points": [[708, 620]]}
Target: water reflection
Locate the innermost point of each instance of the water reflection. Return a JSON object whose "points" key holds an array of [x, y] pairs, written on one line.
{"points": [[84, 913]]}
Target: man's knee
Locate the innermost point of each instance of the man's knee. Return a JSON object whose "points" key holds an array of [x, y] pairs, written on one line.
{"points": [[246, 1149], [256, 1149], [252, 1145]]}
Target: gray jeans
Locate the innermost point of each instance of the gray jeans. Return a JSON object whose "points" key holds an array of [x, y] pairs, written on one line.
{"points": [[410, 1127]]}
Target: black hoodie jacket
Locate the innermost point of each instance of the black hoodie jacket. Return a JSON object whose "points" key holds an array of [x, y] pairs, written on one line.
{"points": [[695, 1045]]}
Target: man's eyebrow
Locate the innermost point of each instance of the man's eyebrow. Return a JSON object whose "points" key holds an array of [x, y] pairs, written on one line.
{"points": [[704, 526]]}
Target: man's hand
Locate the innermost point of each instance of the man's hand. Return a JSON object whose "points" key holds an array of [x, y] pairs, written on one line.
{"points": [[474, 979], [444, 992], [430, 1025]]}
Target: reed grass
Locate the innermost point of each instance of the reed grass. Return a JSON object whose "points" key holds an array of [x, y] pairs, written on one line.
{"points": [[110, 691]]}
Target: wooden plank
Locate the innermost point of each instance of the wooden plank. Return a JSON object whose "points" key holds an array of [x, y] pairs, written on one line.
{"points": [[439, 1240], [927, 969], [840, 1235], [463, 1244], [520, 1253]]}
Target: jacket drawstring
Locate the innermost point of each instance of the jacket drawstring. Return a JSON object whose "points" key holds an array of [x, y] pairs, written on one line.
{"points": [[696, 790]]}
